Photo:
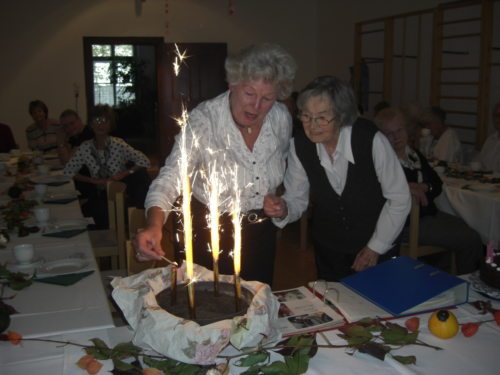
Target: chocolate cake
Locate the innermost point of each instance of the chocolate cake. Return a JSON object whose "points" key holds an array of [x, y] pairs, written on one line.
{"points": [[489, 272]]}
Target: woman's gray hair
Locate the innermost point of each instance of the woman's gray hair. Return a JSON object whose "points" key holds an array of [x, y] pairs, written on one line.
{"points": [[340, 94], [269, 62]]}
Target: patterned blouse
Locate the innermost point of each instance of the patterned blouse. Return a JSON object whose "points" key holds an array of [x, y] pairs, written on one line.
{"points": [[215, 141], [43, 139], [105, 163]]}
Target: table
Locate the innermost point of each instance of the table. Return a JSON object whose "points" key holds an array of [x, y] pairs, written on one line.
{"points": [[47, 309], [461, 355], [479, 209]]}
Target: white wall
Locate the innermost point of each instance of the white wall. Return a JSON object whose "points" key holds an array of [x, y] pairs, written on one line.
{"points": [[42, 49]]}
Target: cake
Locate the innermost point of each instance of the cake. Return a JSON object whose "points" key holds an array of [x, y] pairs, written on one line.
{"points": [[489, 272]]}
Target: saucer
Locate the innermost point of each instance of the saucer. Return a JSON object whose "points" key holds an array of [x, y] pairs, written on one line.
{"points": [[37, 261], [62, 266]]}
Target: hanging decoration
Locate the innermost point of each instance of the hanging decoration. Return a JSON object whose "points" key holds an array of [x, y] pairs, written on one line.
{"points": [[166, 21]]}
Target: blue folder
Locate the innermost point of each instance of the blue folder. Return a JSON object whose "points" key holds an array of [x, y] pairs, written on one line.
{"points": [[405, 285]]}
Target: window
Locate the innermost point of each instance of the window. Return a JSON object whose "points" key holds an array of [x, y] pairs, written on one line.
{"points": [[114, 79]]}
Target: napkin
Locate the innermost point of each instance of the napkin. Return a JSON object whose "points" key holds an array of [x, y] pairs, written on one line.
{"points": [[57, 183], [65, 233], [60, 200], [65, 280]]}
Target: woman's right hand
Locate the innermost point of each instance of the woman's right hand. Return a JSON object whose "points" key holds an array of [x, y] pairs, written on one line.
{"points": [[147, 244], [418, 190]]}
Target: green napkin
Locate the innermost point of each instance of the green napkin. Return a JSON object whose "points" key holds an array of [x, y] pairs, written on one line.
{"points": [[60, 201], [65, 233], [65, 280], [57, 183]]}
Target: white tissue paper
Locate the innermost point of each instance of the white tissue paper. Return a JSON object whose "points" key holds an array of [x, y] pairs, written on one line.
{"points": [[185, 340]]}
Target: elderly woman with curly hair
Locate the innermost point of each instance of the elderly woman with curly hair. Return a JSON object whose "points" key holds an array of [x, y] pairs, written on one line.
{"points": [[246, 127]]}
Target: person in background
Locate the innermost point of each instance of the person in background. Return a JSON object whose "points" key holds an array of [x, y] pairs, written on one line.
{"points": [[359, 195], [446, 145], [436, 227], [490, 153], [108, 159], [42, 134], [380, 106], [245, 127], [73, 133], [7, 141]]}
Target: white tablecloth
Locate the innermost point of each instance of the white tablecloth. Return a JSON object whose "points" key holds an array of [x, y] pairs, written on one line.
{"points": [[479, 209], [47, 309], [461, 355]]}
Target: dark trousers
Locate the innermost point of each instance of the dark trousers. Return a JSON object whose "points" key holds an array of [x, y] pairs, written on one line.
{"points": [[258, 248], [334, 265]]}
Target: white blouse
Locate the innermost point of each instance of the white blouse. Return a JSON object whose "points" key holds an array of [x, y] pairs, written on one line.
{"points": [[115, 158], [213, 139]]}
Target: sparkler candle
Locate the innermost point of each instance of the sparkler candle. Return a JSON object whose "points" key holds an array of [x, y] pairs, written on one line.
{"points": [[236, 219], [214, 223]]}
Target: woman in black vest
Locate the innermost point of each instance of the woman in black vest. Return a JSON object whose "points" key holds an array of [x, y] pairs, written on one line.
{"points": [[358, 191]]}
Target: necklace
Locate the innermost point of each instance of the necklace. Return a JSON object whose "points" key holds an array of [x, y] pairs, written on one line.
{"points": [[249, 130]]}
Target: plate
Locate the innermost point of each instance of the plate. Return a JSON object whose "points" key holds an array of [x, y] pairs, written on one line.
{"points": [[479, 286], [482, 187], [62, 266], [14, 266], [50, 179], [68, 224]]}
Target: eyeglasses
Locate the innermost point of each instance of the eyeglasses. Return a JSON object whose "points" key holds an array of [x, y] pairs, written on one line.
{"points": [[320, 120], [99, 120]]}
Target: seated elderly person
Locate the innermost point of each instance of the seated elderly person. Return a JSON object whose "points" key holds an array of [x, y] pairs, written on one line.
{"points": [[7, 141], [73, 133], [436, 227], [42, 134], [108, 158], [445, 145], [490, 153], [360, 198]]}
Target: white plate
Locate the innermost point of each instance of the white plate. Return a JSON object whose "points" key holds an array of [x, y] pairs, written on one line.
{"points": [[62, 266], [68, 224], [482, 187], [50, 179], [56, 196], [20, 267]]}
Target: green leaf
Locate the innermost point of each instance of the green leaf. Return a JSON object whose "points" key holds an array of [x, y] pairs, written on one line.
{"points": [[100, 350], [125, 350], [253, 359], [406, 360], [122, 366], [374, 349], [275, 368], [4, 320], [297, 364], [253, 370]]}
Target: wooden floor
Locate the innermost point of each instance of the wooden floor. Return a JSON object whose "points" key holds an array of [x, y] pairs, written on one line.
{"points": [[293, 267]]}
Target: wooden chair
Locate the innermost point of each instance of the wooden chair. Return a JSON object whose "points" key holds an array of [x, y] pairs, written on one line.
{"points": [[413, 249], [111, 242]]}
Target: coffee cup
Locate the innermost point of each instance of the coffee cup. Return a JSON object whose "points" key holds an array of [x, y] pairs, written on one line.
{"points": [[24, 253], [40, 190], [43, 169], [475, 166], [42, 214]]}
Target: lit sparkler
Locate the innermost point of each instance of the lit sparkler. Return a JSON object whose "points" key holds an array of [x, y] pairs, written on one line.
{"points": [[236, 219]]}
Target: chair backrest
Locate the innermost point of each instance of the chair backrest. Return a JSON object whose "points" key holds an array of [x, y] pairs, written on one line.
{"points": [[116, 214], [136, 220], [412, 248]]}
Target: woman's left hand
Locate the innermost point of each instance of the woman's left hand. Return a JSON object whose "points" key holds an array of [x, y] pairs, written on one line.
{"points": [[366, 258]]}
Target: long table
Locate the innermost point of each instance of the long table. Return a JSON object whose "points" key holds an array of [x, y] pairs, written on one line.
{"points": [[47, 309], [479, 209], [460, 355]]}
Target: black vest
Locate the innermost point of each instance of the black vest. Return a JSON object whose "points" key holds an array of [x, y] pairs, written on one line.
{"points": [[344, 223]]}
